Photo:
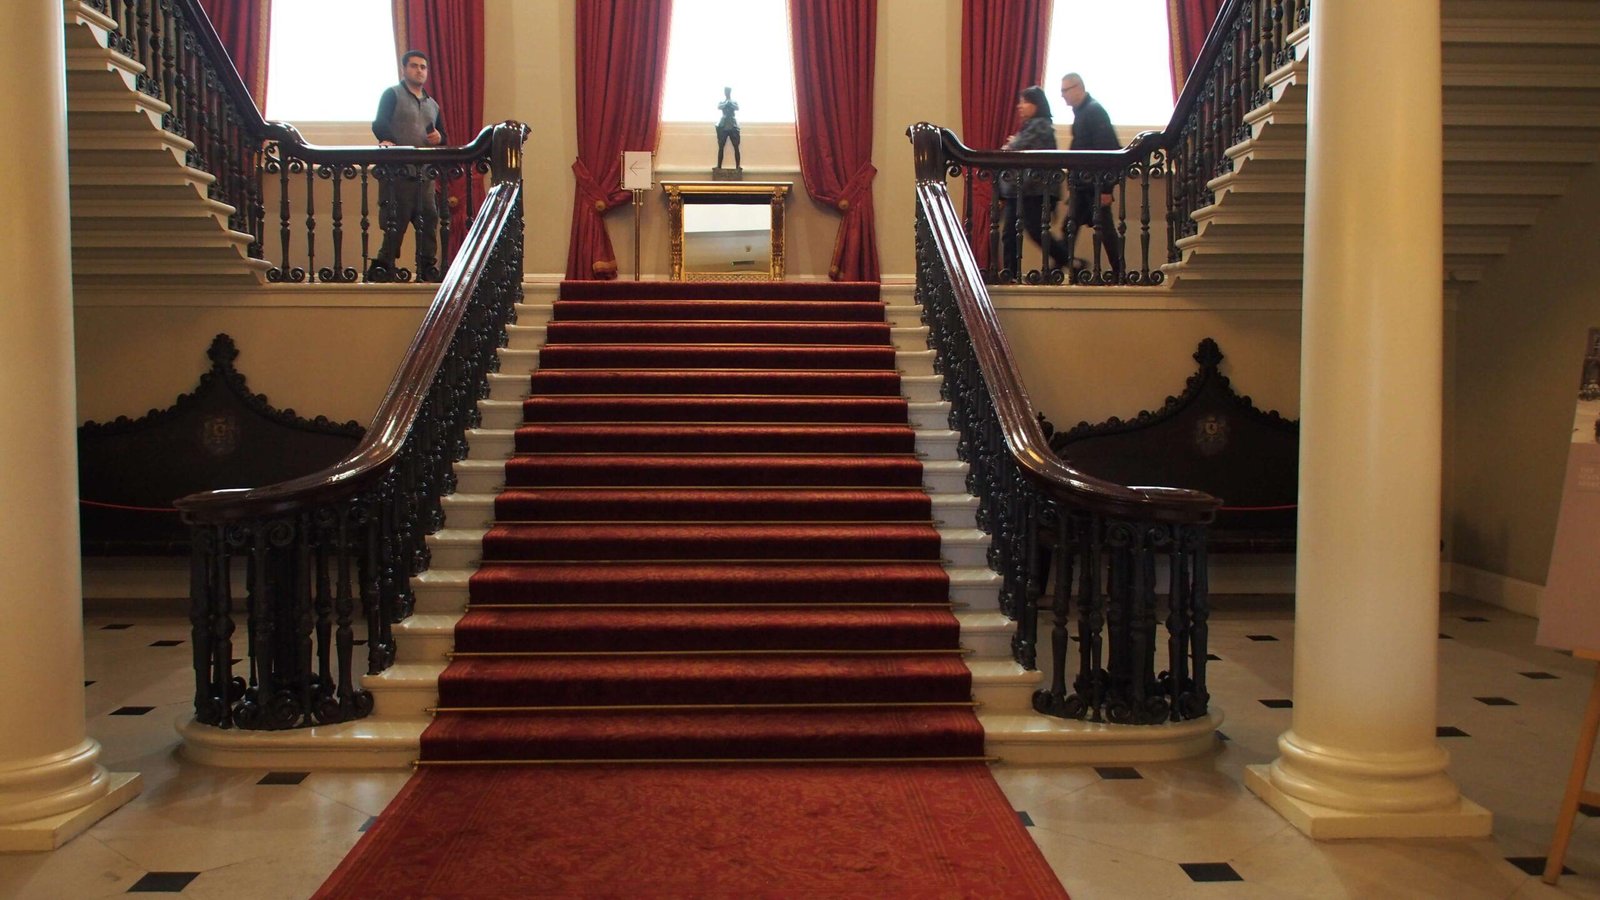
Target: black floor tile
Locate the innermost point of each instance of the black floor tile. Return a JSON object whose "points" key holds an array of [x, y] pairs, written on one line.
{"points": [[163, 882], [1449, 731], [122, 627], [87, 683], [371, 819], [1472, 618], [1589, 809], [1212, 657], [130, 710], [166, 643], [1495, 701], [1445, 637], [1025, 819], [360, 643], [1538, 676], [1278, 704], [1534, 865], [1260, 637], [1223, 737], [283, 778], [1210, 871], [1118, 773]]}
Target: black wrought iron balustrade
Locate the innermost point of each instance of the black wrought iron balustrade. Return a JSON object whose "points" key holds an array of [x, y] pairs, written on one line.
{"points": [[1083, 552], [331, 554], [1103, 217], [318, 214]]}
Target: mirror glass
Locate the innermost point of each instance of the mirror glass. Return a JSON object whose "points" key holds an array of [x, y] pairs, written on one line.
{"points": [[727, 238]]}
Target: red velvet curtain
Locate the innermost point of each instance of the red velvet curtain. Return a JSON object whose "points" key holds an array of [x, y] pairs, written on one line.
{"points": [[622, 64], [1188, 22], [1002, 51], [451, 33], [834, 44], [245, 28]]}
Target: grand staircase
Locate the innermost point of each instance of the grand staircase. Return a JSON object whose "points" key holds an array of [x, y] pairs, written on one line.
{"points": [[1521, 117], [703, 493]]}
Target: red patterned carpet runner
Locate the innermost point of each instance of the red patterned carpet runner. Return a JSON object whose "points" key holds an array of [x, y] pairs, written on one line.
{"points": [[713, 546]]}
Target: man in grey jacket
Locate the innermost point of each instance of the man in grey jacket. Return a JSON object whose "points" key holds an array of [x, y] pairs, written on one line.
{"points": [[408, 116]]}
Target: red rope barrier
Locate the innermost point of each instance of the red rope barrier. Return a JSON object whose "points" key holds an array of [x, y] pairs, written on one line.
{"points": [[99, 505], [1283, 508]]}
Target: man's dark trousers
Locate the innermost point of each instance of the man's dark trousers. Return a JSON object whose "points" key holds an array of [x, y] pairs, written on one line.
{"points": [[1087, 209], [408, 200]]}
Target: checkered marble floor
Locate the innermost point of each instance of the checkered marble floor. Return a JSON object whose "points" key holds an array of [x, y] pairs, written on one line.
{"points": [[1508, 714]]}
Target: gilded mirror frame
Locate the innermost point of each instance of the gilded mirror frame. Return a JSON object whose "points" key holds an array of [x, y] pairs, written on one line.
{"points": [[773, 193]]}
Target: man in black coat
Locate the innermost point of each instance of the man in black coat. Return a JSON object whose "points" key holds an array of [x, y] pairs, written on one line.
{"points": [[1091, 130]]}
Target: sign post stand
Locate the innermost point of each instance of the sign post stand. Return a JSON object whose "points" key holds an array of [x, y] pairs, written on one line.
{"points": [[1579, 775], [636, 165]]}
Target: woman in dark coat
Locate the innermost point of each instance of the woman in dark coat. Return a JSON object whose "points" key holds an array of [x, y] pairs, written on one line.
{"points": [[1030, 193]]}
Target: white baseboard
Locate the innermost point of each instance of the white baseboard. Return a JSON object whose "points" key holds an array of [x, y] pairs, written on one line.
{"points": [[1494, 589]]}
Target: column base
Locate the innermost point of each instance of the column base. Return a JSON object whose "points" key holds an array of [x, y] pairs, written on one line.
{"points": [[51, 832], [1463, 819]]}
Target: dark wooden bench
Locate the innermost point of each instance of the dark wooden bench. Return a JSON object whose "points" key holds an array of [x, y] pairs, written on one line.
{"points": [[1208, 438], [219, 436]]}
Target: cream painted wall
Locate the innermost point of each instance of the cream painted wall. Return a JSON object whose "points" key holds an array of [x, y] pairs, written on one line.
{"points": [[530, 63], [1520, 343], [139, 351], [1090, 359]]}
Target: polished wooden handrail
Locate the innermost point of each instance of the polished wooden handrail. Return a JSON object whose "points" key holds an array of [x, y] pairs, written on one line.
{"points": [[393, 420], [1017, 416]]}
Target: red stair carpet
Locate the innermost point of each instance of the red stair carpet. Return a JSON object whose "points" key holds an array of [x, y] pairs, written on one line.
{"points": [[713, 547]]}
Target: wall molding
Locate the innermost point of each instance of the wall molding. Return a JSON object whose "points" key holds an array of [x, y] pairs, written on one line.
{"points": [[1494, 589]]}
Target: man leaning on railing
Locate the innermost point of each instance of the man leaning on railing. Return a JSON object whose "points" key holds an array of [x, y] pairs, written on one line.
{"points": [[408, 115]]}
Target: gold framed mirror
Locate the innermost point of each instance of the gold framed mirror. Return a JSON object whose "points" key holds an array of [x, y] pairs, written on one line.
{"points": [[726, 230]]}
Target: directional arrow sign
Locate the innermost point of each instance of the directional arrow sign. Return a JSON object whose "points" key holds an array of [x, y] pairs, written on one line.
{"points": [[636, 170]]}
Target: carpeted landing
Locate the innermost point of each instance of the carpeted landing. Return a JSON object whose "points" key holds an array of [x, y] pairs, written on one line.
{"points": [[713, 550], [713, 543]]}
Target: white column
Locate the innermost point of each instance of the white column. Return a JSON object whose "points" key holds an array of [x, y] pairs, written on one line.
{"points": [[1361, 758], [51, 787]]}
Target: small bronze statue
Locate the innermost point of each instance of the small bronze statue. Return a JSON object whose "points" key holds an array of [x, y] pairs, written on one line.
{"points": [[728, 129]]}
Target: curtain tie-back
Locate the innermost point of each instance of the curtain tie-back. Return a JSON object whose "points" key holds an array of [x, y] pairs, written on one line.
{"points": [[591, 189], [858, 185]]}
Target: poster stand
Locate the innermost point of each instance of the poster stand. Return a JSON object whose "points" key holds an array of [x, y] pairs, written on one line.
{"points": [[1576, 793]]}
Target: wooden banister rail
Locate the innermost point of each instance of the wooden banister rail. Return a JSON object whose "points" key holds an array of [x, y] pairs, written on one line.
{"points": [[321, 550], [1102, 540]]}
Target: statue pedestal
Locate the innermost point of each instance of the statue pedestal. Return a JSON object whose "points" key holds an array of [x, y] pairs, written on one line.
{"points": [[721, 174]]}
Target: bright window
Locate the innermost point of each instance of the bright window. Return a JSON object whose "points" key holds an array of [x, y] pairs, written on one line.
{"points": [[1122, 51], [328, 62], [718, 43]]}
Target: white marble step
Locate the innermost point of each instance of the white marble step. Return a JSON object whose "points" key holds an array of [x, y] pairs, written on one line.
{"points": [[499, 443], [509, 386], [441, 591], [462, 548], [463, 510], [407, 690], [429, 638], [486, 474], [532, 337], [899, 316], [907, 361], [507, 414]]}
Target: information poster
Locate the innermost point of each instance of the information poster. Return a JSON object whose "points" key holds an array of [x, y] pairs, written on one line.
{"points": [[1569, 613]]}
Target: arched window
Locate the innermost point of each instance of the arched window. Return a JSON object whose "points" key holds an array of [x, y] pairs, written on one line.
{"points": [[330, 61], [743, 45], [1121, 49]]}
